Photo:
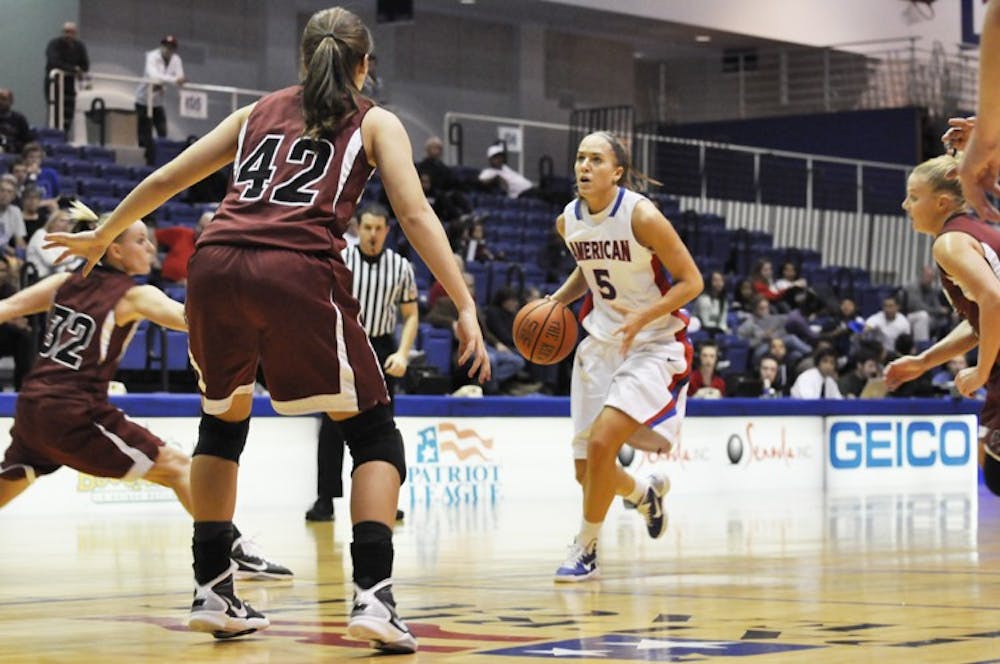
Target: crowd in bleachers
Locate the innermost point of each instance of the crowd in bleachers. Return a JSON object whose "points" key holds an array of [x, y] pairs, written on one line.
{"points": [[768, 324]]}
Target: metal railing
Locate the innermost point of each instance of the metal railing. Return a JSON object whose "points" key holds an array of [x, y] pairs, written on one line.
{"points": [[803, 80], [235, 97], [862, 227]]}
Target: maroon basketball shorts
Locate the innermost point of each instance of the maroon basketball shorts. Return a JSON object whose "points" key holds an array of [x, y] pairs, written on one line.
{"points": [[291, 312], [93, 437]]}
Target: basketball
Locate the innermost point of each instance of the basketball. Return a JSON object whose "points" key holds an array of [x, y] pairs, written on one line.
{"points": [[545, 331]]}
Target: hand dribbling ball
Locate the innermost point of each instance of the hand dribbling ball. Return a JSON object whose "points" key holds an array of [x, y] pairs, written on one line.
{"points": [[545, 331]]}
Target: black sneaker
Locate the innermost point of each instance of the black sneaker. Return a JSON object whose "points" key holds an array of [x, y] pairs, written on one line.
{"points": [[322, 510], [251, 564], [374, 619], [217, 610]]}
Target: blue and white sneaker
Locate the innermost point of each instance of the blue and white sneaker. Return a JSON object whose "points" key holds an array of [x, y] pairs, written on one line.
{"points": [[651, 505], [580, 565], [374, 619]]}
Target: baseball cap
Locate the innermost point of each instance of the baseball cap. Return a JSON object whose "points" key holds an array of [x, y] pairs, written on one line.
{"points": [[169, 40], [494, 150]]}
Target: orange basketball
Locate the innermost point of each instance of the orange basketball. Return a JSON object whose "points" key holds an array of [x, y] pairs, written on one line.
{"points": [[545, 331]]}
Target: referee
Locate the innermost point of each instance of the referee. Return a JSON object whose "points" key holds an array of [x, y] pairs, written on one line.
{"points": [[383, 282]]}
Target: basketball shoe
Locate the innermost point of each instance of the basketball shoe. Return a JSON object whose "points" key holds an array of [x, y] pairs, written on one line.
{"points": [[216, 609], [374, 619], [251, 564], [651, 505], [580, 565]]}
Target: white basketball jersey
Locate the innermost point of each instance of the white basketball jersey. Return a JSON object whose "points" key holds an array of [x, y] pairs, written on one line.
{"points": [[618, 269]]}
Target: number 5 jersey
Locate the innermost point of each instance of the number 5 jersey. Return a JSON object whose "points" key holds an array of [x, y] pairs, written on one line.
{"points": [[618, 269]]}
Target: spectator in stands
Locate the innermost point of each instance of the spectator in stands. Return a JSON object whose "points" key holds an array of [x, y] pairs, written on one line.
{"points": [[15, 334], [554, 258], [844, 327], [501, 177], [506, 363], [865, 368], [762, 278], [163, 66], [15, 132], [763, 325], [68, 54], [43, 177], [351, 233], [888, 324], [770, 384], [12, 231], [44, 260], [33, 211], [786, 368], [924, 306], [433, 166], [179, 241], [944, 378], [712, 306], [704, 382], [743, 298], [476, 247], [500, 315], [820, 382]]}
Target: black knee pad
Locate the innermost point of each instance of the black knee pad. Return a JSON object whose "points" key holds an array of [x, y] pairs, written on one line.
{"points": [[221, 439], [373, 436]]}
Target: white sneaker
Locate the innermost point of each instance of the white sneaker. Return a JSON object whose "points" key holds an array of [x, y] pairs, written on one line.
{"points": [[218, 610], [374, 619]]}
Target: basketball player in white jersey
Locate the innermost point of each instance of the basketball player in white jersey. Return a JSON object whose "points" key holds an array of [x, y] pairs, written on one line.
{"points": [[630, 374]]}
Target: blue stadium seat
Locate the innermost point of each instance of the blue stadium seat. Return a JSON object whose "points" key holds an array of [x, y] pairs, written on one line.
{"points": [[436, 345], [98, 154], [89, 186], [114, 171], [177, 351], [479, 271], [63, 151], [80, 169], [49, 135]]}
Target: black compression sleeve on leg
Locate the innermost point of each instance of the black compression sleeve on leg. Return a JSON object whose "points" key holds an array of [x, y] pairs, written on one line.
{"points": [[371, 553]]}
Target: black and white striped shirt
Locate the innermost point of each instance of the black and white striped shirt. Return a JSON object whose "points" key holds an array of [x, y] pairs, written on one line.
{"points": [[381, 283]]}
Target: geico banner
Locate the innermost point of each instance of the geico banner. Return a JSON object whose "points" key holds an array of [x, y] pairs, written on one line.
{"points": [[277, 470], [741, 453], [897, 452]]}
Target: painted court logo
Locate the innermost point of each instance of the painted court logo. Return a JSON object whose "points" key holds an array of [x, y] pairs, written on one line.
{"points": [[453, 466]]}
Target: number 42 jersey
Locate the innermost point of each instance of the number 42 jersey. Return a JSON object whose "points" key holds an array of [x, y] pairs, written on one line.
{"points": [[289, 191], [618, 269]]}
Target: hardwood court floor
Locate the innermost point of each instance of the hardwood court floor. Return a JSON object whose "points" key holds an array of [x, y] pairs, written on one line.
{"points": [[760, 578]]}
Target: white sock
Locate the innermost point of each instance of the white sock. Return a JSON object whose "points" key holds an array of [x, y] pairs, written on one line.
{"points": [[641, 486], [588, 532]]}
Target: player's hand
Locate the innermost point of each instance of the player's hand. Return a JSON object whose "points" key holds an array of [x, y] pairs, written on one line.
{"points": [[631, 327], [395, 365], [471, 346], [959, 131], [978, 170], [971, 379], [902, 371], [87, 245]]}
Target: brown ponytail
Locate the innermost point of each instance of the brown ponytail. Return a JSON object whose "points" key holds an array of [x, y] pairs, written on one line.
{"points": [[334, 43]]}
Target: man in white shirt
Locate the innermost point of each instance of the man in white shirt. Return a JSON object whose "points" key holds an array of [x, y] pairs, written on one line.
{"points": [[500, 174], [163, 65], [888, 324], [12, 229], [820, 382]]}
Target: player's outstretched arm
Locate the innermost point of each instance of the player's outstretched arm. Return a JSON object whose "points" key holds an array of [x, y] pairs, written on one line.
{"points": [[32, 300], [150, 302]]}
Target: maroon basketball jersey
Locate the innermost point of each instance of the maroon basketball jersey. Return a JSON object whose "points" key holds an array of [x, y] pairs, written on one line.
{"points": [[82, 345], [989, 238], [289, 191]]}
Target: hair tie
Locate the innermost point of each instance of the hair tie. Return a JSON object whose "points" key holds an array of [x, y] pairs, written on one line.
{"points": [[331, 35]]}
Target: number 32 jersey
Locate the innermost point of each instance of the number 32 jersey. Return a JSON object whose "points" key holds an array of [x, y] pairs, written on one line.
{"points": [[82, 344], [288, 191], [618, 269]]}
